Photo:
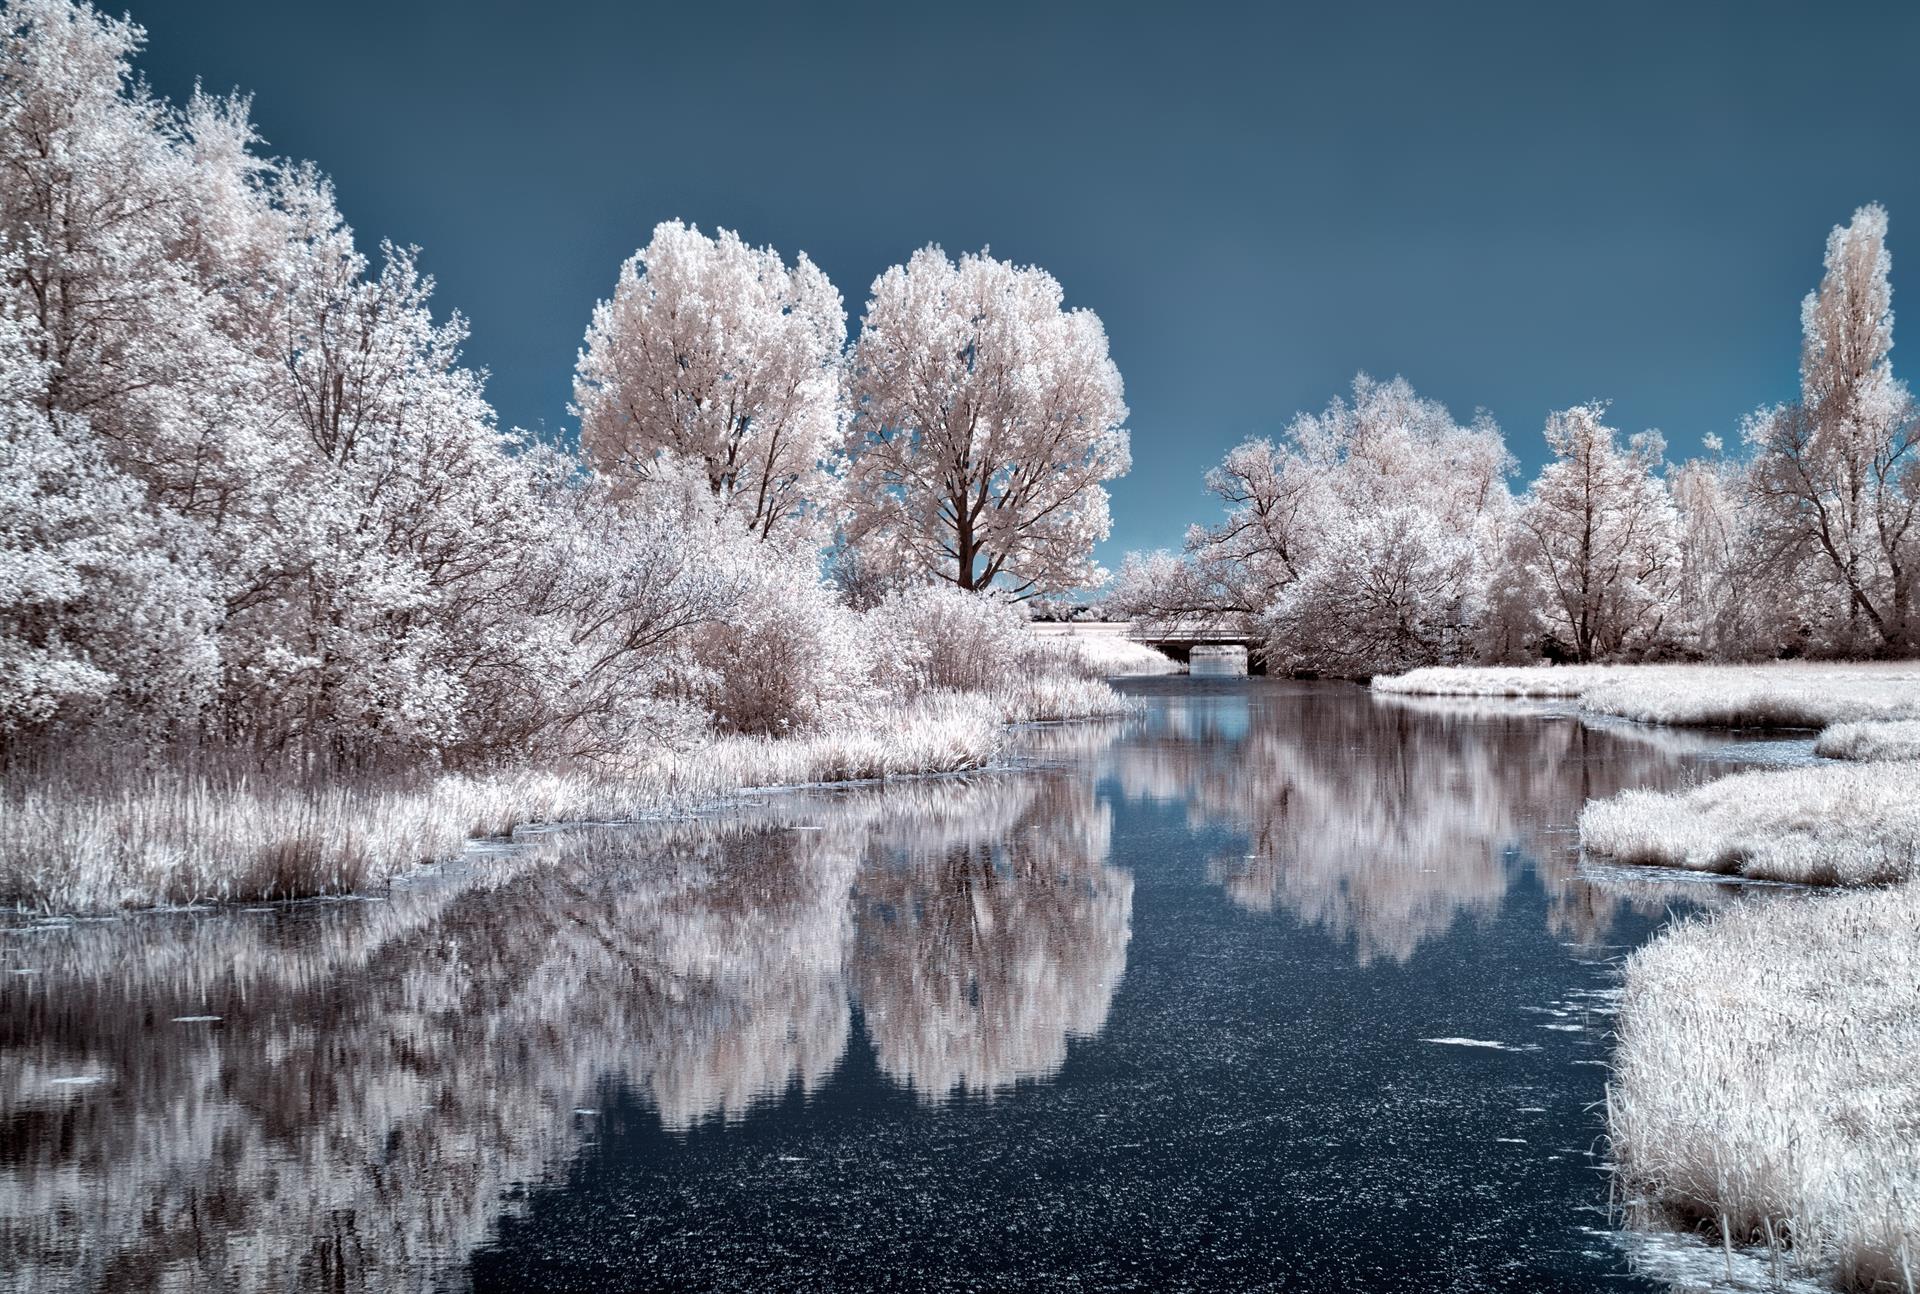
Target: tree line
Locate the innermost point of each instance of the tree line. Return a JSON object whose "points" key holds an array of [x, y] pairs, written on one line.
{"points": [[251, 494], [1381, 534]]}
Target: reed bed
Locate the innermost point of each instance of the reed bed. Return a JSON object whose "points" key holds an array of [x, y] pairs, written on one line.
{"points": [[172, 838], [1113, 655], [1765, 1093], [1845, 824], [1871, 740], [1527, 682], [1782, 694]]}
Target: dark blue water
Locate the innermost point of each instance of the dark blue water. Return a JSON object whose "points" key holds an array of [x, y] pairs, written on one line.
{"points": [[1279, 987]]}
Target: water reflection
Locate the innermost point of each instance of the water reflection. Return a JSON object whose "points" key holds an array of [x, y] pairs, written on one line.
{"points": [[1385, 820], [336, 1095], [979, 954], [340, 1095]]}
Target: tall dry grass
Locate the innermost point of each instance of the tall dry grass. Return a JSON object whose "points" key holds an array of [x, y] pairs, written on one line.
{"points": [[1765, 1092], [1849, 824], [98, 844]]}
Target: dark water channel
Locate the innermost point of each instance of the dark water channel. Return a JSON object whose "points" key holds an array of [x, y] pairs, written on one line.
{"points": [[1278, 987]]}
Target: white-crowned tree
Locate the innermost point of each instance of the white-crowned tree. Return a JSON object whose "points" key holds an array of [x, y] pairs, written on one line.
{"points": [[1597, 540], [1836, 474], [1361, 540], [987, 417], [722, 356]]}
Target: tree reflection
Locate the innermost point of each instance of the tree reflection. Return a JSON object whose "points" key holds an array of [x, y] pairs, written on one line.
{"points": [[1384, 821], [977, 957], [382, 1072]]}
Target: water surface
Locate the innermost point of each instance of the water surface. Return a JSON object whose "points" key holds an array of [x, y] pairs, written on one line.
{"points": [[1280, 986]]}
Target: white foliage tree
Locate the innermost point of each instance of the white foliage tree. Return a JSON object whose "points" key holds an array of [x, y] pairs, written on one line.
{"points": [[1728, 608], [252, 494], [987, 418], [1597, 539], [1361, 540], [1836, 474], [719, 354]]}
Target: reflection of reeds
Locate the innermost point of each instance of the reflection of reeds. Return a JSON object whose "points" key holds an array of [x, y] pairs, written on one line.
{"points": [[94, 844], [383, 1070]]}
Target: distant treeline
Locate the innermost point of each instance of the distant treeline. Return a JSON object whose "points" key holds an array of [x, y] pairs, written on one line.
{"points": [[1380, 534]]}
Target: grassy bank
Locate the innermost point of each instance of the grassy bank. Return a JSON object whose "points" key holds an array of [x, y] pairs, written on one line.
{"points": [[175, 838], [1765, 1092], [1104, 649], [1853, 824], [1785, 694]]}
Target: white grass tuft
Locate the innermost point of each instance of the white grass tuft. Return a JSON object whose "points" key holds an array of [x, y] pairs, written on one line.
{"points": [[1832, 825], [1871, 740], [1539, 682], [1765, 1090], [1105, 650]]}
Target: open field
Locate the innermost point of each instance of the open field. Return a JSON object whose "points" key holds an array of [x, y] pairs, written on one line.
{"points": [[1785, 694], [182, 838], [1765, 1090]]}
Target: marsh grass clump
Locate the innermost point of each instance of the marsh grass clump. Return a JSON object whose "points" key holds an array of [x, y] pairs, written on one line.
{"points": [[1529, 682], [1112, 655], [1833, 825], [1871, 740], [1764, 1092]]}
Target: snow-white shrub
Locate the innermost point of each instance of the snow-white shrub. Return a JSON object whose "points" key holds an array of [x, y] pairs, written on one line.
{"points": [[786, 657], [1361, 540], [939, 637], [1396, 588]]}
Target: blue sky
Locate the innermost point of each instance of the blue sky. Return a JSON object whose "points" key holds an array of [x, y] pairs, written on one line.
{"points": [[1516, 206]]}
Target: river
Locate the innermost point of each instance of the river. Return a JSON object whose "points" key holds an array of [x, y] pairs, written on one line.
{"points": [[1279, 986]]}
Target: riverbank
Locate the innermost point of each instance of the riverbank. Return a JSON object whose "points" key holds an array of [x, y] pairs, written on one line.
{"points": [[1764, 1094], [172, 838], [1849, 824], [1781, 694]]}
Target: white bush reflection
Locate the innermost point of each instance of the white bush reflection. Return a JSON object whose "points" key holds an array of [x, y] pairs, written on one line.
{"points": [[382, 1072]]}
